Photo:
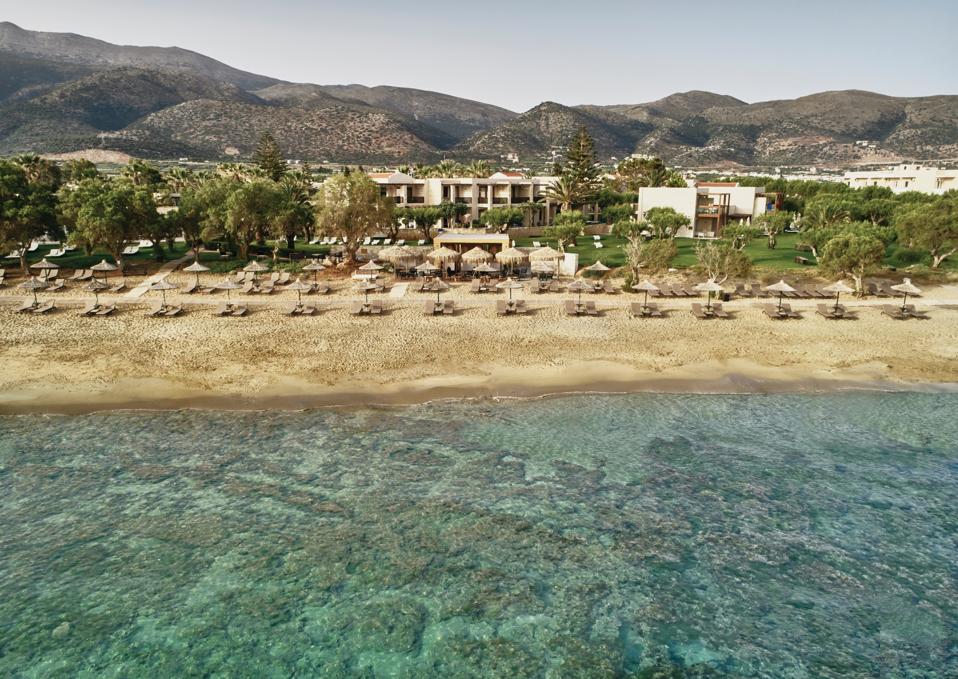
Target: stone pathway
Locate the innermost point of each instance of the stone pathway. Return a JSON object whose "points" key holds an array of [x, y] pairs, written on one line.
{"points": [[398, 290], [143, 287]]}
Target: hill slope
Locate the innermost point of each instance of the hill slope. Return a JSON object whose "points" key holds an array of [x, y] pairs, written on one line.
{"points": [[70, 48]]}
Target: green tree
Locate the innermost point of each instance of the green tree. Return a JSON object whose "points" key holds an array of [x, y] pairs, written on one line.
{"points": [[720, 260], [618, 212], [581, 168], [502, 218], [665, 222], [635, 173], [27, 209], [352, 208], [269, 158], [294, 212], [930, 226], [424, 219], [452, 213], [568, 226], [738, 235], [141, 173], [250, 212], [75, 171], [853, 255], [771, 224], [112, 214], [564, 192], [479, 168]]}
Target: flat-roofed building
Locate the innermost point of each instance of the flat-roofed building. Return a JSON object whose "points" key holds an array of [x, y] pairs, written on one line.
{"points": [[709, 205], [906, 177], [502, 189]]}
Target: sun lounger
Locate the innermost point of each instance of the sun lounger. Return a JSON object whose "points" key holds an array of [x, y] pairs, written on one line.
{"points": [[596, 238], [191, 287], [173, 311], [699, 311], [519, 306], [308, 310], [322, 288], [719, 311], [106, 310], [893, 312], [448, 307], [502, 308], [294, 310], [640, 311], [156, 309], [44, 308], [429, 308], [598, 246], [914, 313], [56, 285], [554, 286], [223, 309], [475, 286], [239, 311], [570, 308], [248, 288], [265, 288], [118, 287], [76, 275], [284, 278], [90, 309], [376, 307], [591, 309], [771, 311], [540, 286], [401, 241], [27, 306], [536, 244], [357, 308], [34, 246], [609, 288], [787, 310]]}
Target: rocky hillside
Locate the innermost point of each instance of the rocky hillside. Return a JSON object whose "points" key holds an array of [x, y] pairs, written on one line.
{"points": [[546, 130], [61, 92]]}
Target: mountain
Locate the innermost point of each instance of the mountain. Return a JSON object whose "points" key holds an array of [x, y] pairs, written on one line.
{"points": [[61, 93], [69, 48], [548, 127], [456, 117]]}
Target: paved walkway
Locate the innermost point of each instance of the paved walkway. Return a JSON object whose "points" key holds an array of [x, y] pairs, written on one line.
{"points": [[398, 290], [144, 287]]}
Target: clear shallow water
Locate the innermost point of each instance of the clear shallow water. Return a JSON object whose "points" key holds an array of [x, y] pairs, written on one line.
{"points": [[646, 535]]}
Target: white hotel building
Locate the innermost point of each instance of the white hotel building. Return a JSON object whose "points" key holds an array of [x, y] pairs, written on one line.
{"points": [[502, 189], [906, 177]]}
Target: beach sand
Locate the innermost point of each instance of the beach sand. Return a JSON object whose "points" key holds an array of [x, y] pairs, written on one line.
{"points": [[65, 363]]}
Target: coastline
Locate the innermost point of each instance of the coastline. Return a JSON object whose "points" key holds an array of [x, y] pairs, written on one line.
{"points": [[735, 377]]}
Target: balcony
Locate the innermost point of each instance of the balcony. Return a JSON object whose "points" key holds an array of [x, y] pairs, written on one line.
{"points": [[416, 200], [500, 200], [464, 200]]}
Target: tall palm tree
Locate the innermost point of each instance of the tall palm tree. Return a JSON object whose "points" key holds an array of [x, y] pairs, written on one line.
{"points": [[479, 168], [448, 169], [562, 191]]}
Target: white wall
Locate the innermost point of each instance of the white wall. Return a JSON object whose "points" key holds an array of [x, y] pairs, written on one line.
{"points": [[682, 200]]}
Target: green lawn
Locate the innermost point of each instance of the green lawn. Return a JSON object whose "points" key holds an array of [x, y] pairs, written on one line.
{"points": [[80, 260]]}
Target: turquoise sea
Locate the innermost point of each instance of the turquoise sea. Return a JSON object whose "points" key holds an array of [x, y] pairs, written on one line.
{"points": [[582, 536]]}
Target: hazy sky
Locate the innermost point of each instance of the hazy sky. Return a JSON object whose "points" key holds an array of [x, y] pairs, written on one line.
{"points": [[517, 54]]}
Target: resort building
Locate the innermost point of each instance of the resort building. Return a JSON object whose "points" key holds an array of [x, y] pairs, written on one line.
{"points": [[709, 205], [502, 189], [906, 177], [461, 242]]}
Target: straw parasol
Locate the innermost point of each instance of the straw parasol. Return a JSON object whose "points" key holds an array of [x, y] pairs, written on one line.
{"points": [[227, 285], [711, 287], [365, 287], [838, 288], [44, 264], [315, 267], [299, 287], [103, 266], [33, 284], [427, 267], [543, 267], [906, 288], [370, 267], [646, 287], [163, 286], [511, 256], [485, 268], [544, 254], [442, 255], [597, 267], [96, 287], [255, 267], [477, 255], [509, 284], [196, 268], [439, 286], [396, 253], [781, 288], [579, 285]]}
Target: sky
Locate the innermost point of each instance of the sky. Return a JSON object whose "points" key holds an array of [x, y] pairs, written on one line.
{"points": [[518, 54]]}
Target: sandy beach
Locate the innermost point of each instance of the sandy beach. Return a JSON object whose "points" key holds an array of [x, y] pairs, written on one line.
{"points": [[65, 363]]}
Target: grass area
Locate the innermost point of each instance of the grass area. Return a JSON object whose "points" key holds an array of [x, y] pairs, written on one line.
{"points": [[782, 258], [612, 252], [80, 260]]}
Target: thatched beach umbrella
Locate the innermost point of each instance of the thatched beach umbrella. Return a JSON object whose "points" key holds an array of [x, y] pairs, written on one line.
{"points": [[509, 284], [299, 286], [442, 256], [838, 288], [315, 267], [103, 267], [396, 254], [163, 286], [598, 267], [579, 285], [427, 268], [370, 267], [511, 256], [33, 284], [544, 268], [196, 268], [709, 286], [477, 255], [544, 254], [781, 288], [485, 268], [96, 287], [255, 267], [646, 287], [365, 287], [439, 286], [44, 265], [906, 288], [227, 285]]}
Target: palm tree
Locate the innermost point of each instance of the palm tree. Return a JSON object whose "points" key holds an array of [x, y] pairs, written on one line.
{"points": [[448, 169], [479, 168], [562, 191]]}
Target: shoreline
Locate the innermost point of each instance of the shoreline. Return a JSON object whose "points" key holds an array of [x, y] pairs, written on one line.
{"points": [[730, 378]]}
